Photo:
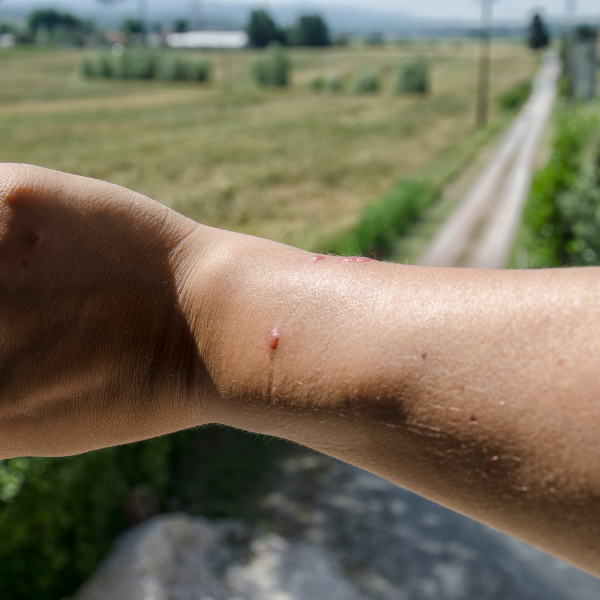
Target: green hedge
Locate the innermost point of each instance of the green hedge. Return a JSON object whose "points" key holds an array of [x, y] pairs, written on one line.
{"points": [[146, 64], [59, 516], [561, 223], [384, 221], [516, 97]]}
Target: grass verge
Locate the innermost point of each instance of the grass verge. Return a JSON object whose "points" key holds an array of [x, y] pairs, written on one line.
{"points": [[411, 210]]}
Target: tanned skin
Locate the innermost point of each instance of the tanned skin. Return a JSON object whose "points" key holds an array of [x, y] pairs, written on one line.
{"points": [[121, 320]]}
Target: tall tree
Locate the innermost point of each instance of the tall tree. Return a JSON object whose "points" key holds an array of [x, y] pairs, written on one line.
{"points": [[310, 30], [50, 19], [181, 26], [142, 15], [538, 34], [262, 30]]}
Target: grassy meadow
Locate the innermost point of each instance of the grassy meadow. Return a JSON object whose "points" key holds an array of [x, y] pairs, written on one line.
{"points": [[289, 164]]}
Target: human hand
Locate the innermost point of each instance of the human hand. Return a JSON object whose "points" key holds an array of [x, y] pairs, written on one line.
{"points": [[95, 348]]}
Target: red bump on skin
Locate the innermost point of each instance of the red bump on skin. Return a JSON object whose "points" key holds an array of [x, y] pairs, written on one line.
{"points": [[356, 259], [317, 258], [273, 339]]}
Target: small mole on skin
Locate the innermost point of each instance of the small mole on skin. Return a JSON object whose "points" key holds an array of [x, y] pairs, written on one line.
{"points": [[318, 258], [356, 259], [473, 420], [424, 355], [487, 473], [273, 340], [24, 263]]}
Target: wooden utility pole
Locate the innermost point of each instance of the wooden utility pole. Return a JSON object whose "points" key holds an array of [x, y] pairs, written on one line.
{"points": [[483, 88]]}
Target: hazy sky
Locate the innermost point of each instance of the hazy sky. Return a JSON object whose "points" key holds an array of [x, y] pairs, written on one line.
{"points": [[439, 9], [464, 9]]}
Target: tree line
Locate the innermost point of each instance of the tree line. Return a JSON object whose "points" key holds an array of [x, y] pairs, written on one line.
{"points": [[49, 25], [309, 30]]}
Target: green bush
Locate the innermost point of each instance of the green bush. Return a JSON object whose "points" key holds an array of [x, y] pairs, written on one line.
{"points": [[413, 77], [272, 69], [172, 68], [139, 64], [198, 70], [384, 221], [331, 83], [88, 67], [562, 217], [317, 84], [580, 210], [146, 64], [516, 97], [59, 516], [365, 81]]}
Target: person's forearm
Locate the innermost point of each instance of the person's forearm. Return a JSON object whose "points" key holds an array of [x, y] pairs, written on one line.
{"points": [[476, 389], [122, 320]]}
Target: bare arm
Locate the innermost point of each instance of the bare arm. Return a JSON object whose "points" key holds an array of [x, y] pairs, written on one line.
{"points": [[479, 390]]}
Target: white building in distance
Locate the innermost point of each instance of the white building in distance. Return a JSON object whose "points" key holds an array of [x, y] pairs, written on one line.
{"points": [[208, 39], [7, 40]]}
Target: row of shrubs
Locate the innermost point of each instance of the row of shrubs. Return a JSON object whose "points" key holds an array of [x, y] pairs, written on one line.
{"points": [[561, 223], [146, 64], [412, 78], [273, 70]]}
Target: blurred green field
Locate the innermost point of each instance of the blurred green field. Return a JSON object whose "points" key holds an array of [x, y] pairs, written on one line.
{"points": [[291, 165]]}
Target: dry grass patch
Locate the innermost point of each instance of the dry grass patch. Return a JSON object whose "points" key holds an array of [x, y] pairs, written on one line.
{"points": [[289, 165]]}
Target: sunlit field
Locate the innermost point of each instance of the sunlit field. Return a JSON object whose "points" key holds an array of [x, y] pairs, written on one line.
{"points": [[292, 164]]}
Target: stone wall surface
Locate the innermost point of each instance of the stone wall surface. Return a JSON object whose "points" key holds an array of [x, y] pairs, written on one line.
{"points": [[332, 532]]}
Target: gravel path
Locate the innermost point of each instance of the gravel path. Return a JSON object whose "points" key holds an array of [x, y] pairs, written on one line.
{"points": [[481, 231]]}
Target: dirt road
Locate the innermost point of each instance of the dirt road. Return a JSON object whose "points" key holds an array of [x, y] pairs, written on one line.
{"points": [[481, 231]]}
